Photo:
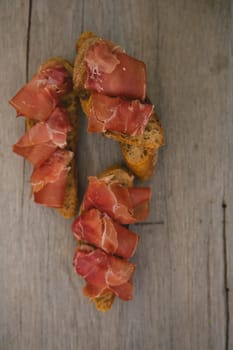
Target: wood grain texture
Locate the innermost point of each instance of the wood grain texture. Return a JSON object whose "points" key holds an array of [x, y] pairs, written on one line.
{"points": [[13, 29], [183, 284]]}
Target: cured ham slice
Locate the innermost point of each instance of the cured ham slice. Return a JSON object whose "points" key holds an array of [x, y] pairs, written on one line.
{"points": [[51, 171], [103, 272], [101, 231], [124, 205], [116, 114], [41, 140], [36, 154], [58, 126], [39, 97], [112, 72]]}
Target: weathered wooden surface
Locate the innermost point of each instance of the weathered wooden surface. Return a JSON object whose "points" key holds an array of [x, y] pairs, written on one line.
{"points": [[183, 284]]}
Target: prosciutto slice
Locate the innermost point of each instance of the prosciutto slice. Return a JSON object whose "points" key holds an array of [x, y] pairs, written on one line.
{"points": [[124, 205], [101, 231], [52, 170], [111, 72], [58, 125], [116, 114], [53, 193], [103, 271], [41, 140], [125, 291], [39, 97]]}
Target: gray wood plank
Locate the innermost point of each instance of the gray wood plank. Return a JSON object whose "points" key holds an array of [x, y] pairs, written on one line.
{"points": [[49, 316], [183, 269], [193, 102], [193, 40], [13, 41]]}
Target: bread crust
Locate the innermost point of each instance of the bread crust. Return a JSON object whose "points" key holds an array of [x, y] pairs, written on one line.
{"points": [[84, 42], [70, 206], [140, 160]]}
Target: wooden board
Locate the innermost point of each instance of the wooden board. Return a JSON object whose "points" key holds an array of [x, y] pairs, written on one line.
{"points": [[183, 284]]}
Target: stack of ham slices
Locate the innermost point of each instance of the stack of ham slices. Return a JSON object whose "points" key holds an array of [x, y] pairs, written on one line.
{"points": [[112, 90], [44, 143], [118, 86], [105, 244]]}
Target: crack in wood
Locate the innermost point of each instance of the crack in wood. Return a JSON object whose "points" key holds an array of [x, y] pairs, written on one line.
{"points": [[158, 42], [27, 78], [82, 19], [208, 290], [22, 194], [227, 305], [28, 39], [149, 223]]}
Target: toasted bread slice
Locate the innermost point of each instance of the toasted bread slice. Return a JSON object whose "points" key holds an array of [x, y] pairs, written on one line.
{"points": [[79, 76], [140, 160], [151, 138], [69, 102], [104, 302], [86, 105], [70, 206], [119, 174]]}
